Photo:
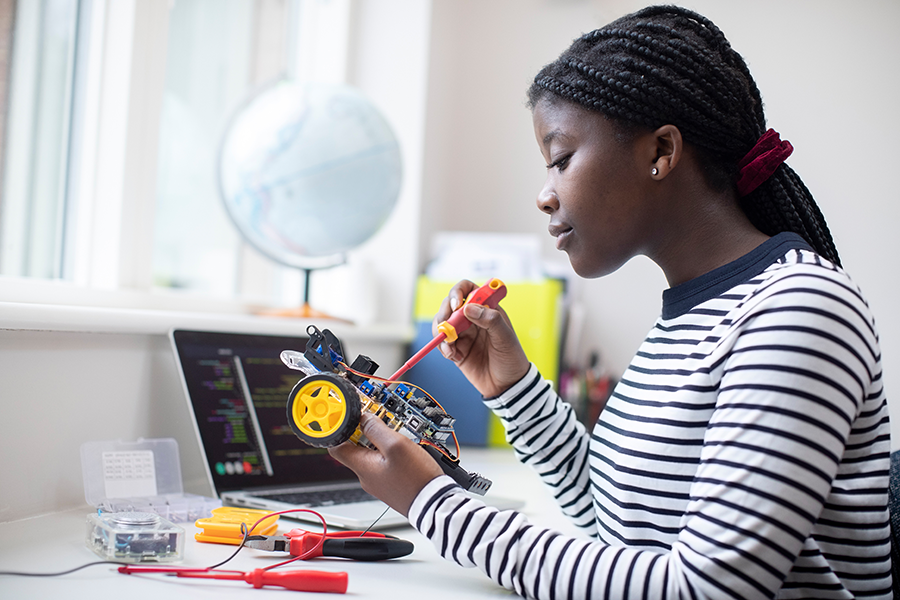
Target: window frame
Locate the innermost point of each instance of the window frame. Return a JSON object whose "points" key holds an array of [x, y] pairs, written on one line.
{"points": [[111, 184]]}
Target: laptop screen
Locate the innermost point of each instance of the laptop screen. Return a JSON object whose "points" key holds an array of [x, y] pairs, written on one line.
{"points": [[238, 389]]}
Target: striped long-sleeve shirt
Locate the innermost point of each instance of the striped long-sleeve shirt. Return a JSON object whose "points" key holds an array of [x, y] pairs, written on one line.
{"points": [[744, 453]]}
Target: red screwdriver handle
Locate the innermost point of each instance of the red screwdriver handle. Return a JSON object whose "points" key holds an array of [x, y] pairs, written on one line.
{"points": [[299, 580], [490, 294]]}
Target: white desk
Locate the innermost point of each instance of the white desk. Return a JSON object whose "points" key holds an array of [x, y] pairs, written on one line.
{"points": [[56, 542]]}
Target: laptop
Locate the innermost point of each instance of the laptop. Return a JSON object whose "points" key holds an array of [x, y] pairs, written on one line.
{"points": [[237, 390]]}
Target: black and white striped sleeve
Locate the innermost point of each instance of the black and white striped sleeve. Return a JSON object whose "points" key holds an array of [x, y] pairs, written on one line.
{"points": [[546, 435], [533, 561], [789, 492], [792, 479]]}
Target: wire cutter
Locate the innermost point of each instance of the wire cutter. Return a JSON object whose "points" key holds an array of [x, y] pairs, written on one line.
{"points": [[356, 545]]}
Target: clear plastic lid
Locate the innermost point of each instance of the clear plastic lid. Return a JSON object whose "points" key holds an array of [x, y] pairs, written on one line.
{"points": [[119, 469]]}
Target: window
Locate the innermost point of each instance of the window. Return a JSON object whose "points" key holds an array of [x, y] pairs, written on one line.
{"points": [[113, 120], [40, 40], [218, 53]]}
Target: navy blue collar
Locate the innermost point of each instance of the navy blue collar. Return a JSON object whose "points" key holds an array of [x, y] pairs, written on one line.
{"points": [[683, 297]]}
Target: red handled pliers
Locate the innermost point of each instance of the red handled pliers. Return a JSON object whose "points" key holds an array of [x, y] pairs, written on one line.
{"points": [[356, 545]]}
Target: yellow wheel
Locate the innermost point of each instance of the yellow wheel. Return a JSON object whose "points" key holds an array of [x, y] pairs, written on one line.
{"points": [[323, 410]]}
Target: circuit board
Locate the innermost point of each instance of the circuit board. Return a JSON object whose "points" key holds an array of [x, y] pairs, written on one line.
{"points": [[324, 407]]}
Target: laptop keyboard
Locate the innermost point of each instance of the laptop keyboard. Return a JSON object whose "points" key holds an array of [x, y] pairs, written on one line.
{"points": [[322, 497]]}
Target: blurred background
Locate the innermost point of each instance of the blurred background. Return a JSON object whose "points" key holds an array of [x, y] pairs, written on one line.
{"points": [[112, 115]]}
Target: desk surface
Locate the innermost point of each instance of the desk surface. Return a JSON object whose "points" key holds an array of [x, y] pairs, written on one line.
{"points": [[56, 542]]}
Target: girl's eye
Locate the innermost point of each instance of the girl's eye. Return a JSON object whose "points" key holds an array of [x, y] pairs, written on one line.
{"points": [[560, 163]]}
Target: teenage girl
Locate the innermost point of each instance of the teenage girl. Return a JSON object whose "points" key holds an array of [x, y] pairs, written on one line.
{"points": [[745, 452]]}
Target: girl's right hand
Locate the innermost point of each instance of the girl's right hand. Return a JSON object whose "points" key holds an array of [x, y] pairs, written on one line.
{"points": [[488, 353]]}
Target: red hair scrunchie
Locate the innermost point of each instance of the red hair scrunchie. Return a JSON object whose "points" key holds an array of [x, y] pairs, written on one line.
{"points": [[762, 160]]}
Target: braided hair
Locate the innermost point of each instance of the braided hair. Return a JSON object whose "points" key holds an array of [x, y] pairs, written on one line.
{"points": [[669, 65]]}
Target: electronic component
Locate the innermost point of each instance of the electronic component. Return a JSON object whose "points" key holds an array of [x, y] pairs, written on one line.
{"points": [[134, 537], [324, 408]]}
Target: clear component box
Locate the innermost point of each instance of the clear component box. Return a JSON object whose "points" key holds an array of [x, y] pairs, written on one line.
{"points": [[134, 537], [141, 476], [137, 491]]}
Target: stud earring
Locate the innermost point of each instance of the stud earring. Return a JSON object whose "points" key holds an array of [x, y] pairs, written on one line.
{"points": [[654, 171]]}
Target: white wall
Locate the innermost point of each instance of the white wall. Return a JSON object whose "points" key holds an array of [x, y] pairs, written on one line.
{"points": [[60, 388], [828, 75], [389, 63], [62, 385]]}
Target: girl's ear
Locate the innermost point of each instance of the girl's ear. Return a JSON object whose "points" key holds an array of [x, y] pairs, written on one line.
{"points": [[668, 149]]}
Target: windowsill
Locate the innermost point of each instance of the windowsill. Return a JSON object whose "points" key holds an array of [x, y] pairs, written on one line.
{"points": [[49, 317], [58, 306]]}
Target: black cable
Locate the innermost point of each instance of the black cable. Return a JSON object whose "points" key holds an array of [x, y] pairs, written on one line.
{"points": [[91, 564], [246, 531], [386, 508]]}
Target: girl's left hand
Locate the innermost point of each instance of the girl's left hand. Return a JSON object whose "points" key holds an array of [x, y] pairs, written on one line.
{"points": [[396, 472]]}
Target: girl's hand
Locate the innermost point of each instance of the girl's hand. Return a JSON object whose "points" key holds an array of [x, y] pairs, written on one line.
{"points": [[396, 472], [489, 353]]}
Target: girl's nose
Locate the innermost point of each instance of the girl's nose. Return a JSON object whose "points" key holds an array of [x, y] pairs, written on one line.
{"points": [[547, 201]]}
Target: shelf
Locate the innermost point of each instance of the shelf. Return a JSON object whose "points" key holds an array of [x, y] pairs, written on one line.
{"points": [[56, 317]]}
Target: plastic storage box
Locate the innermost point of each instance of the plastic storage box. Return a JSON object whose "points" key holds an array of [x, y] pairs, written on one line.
{"points": [[134, 537], [142, 476]]}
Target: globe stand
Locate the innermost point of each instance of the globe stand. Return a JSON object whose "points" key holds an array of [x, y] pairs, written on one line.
{"points": [[304, 311]]}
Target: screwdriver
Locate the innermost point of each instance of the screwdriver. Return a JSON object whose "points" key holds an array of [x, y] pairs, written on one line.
{"points": [[490, 294], [299, 580]]}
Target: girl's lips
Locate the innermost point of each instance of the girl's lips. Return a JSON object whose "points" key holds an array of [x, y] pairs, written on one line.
{"points": [[561, 237]]}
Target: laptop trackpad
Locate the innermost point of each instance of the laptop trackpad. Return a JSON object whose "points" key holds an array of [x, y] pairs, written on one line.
{"points": [[362, 515], [359, 515]]}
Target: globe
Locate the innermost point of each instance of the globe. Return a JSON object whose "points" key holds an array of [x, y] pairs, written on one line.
{"points": [[308, 172]]}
